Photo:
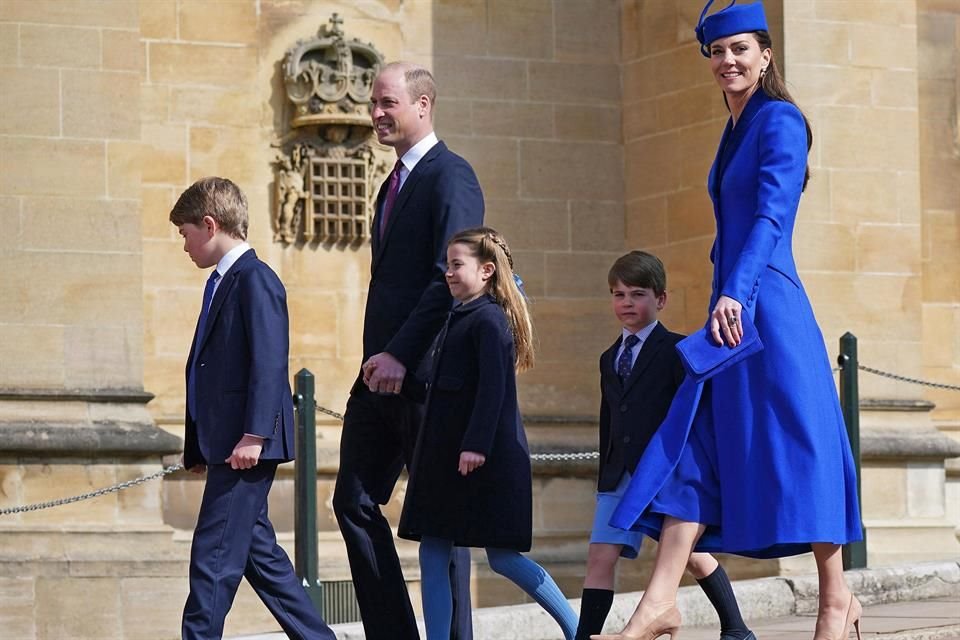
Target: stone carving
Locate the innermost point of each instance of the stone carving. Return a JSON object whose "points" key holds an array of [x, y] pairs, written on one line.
{"points": [[329, 79], [327, 169], [290, 193]]}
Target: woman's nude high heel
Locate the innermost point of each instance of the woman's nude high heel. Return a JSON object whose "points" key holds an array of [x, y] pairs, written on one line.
{"points": [[667, 623], [851, 619]]}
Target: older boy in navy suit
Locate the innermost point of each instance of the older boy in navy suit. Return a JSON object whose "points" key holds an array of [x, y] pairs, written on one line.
{"points": [[639, 375], [239, 419]]}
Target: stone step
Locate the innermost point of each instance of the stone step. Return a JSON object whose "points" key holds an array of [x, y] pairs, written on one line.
{"points": [[907, 602]]}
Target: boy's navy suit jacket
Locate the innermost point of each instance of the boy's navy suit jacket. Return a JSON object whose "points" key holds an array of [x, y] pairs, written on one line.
{"points": [[631, 412], [242, 375], [408, 299]]}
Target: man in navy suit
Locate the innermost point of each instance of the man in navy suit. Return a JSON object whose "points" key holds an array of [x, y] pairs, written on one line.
{"points": [[431, 194], [239, 419]]}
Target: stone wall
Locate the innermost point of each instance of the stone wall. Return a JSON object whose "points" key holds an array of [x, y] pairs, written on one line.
{"points": [[71, 360], [858, 237], [861, 242], [938, 34], [69, 196], [528, 97], [530, 94], [673, 116]]}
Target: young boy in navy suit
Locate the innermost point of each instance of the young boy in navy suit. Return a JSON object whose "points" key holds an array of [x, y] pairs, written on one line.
{"points": [[639, 375], [239, 419]]}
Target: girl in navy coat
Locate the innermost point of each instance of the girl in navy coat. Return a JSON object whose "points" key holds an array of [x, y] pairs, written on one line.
{"points": [[759, 463], [470, 480]]}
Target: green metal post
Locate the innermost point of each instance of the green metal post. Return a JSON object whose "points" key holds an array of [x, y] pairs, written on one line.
{"points": [[305, 552], [854, 553]]}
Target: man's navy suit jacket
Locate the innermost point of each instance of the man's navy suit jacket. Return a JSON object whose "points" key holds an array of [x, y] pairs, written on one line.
{"points": [[408, 298], [242, 376], [630, 412]]}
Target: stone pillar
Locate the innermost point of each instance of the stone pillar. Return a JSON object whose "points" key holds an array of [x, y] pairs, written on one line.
{"points": [[860, 248], [938, 35], [72, 405]]}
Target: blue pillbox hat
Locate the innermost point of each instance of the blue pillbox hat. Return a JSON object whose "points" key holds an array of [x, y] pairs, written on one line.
{"points": [[744, 18]]}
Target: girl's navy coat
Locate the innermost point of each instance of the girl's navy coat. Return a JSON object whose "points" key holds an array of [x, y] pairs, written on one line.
{"points": [[471, 406]]}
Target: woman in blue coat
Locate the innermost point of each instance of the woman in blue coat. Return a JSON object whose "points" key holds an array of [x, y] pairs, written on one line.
{"points": [[470, 479], [755, 460]]}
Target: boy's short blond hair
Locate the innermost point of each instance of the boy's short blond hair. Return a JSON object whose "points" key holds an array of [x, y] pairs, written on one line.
{"points": [[218, 198], [639, 269]]}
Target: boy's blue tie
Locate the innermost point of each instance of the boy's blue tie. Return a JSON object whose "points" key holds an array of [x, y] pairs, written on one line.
{"points": [[625, 363], [201, 325]]}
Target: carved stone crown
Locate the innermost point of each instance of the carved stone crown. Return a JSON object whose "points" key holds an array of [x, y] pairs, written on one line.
{"points": [[329, 79]]}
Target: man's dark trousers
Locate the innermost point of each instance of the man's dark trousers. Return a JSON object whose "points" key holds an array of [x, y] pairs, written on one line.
{"points": [[235, 501]]}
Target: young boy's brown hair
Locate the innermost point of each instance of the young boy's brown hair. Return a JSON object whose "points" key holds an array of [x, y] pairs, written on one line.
{"points": [[218, 198], [639, 269]]}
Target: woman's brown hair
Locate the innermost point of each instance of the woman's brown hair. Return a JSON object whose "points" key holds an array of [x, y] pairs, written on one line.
{"points": [[774, 86], [772, 83]]}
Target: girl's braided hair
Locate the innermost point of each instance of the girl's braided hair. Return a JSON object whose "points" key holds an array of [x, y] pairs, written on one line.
{"points": [[487, 245]]}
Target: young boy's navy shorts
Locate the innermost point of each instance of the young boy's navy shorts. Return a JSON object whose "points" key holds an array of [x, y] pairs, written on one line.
{"points": [[602, 532]]}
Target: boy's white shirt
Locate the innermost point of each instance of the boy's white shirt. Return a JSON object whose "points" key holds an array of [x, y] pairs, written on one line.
{"points": [[227, 261]]}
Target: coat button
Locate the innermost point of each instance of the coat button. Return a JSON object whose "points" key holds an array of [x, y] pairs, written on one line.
{"points": [[626, 439], [203, 364], [623, 408]]}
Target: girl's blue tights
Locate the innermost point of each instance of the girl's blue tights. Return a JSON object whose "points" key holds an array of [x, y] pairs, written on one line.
{"points": [[522, 571]]}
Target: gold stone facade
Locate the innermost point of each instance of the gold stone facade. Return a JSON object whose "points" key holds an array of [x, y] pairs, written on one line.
{"points": [[591, 124]]}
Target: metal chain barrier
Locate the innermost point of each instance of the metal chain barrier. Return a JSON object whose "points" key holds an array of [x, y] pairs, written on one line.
{"points": [[330, 412], [93, 494], [542, 457], [899, 378], [550, 457]]}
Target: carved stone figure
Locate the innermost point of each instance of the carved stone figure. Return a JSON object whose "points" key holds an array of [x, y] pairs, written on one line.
{"points": [[290, 195]]}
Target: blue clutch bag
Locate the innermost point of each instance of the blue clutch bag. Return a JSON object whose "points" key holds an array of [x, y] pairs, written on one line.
{"points": [[703, 358]]}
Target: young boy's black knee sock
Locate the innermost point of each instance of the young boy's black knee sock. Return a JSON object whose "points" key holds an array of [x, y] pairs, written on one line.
{"points": [[594, 606], [720, 592]]}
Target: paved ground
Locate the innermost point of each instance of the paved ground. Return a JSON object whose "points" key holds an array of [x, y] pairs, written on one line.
{"points": [[912, 601], [936, 619]]}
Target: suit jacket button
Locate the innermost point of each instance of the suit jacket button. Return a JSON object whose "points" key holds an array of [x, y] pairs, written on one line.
{"points": [[203, 364], [626, 439], [623, 408]]}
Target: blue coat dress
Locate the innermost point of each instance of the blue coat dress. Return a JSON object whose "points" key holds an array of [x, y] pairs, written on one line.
{"points": [[758, 453]]}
